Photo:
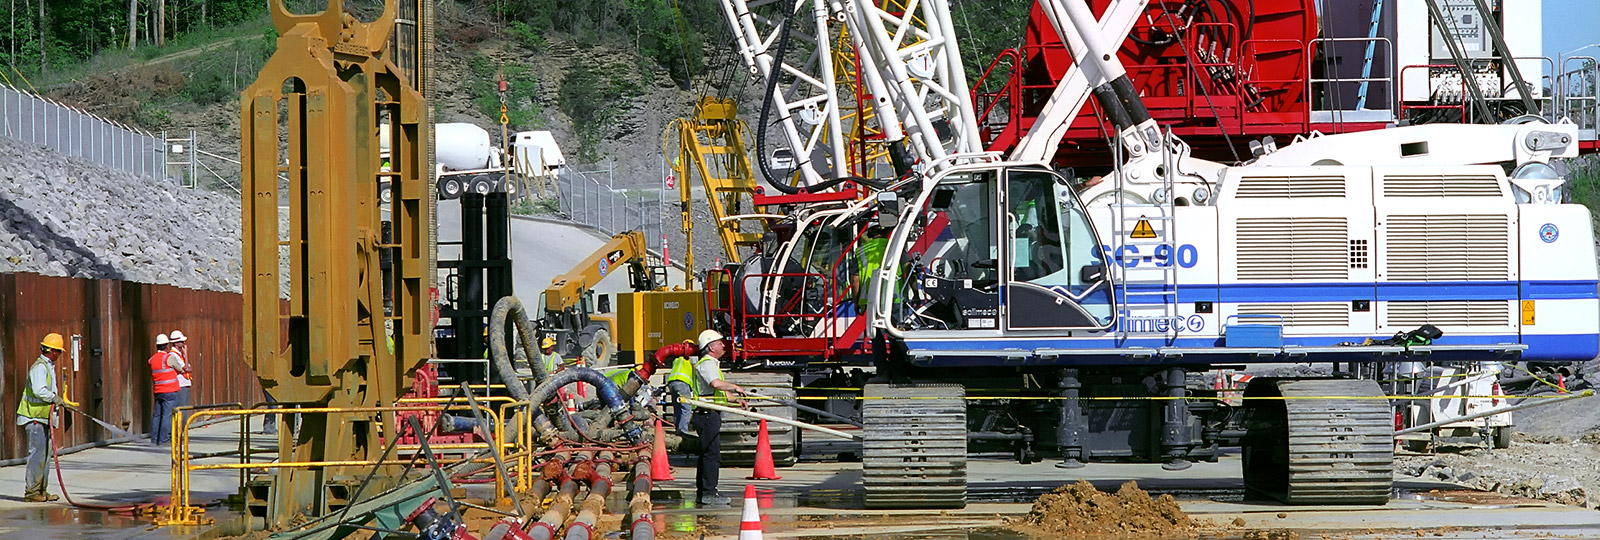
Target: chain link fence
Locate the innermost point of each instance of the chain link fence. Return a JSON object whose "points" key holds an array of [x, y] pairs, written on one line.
{"points": [[27, 117], [589, 198]]}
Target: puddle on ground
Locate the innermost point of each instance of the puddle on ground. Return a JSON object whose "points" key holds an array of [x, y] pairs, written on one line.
{"points": [[66, 522]]}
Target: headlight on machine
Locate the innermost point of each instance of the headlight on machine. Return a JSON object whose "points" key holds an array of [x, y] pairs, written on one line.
{"points": [[1537, 183]]}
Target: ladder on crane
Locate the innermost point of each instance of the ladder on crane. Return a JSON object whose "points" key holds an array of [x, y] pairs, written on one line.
{"points": [[1144, 257]]}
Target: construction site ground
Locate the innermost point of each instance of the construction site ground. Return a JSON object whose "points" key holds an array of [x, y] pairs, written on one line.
{"points": [[819, 499]]}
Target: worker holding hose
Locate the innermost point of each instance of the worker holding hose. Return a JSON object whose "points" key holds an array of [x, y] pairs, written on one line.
{"points": [[34, 412], [707, 424]]}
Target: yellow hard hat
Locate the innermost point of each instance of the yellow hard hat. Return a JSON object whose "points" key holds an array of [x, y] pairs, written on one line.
{"points": [[547, 343], [53, 341]]}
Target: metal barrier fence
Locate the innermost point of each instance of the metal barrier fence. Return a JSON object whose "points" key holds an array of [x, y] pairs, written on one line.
{"points": [[518, 451], [30, 118], [588, 200]]}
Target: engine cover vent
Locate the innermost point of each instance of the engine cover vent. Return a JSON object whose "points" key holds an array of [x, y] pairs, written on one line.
{"points": [[1303, 313], [1283, 248], [1414, 313], [1437, 185], [1448, 247], [1290, 187]]}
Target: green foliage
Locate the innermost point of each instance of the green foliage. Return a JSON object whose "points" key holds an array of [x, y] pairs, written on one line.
{"points": [[984, 28], [526, 35], [529, 206], [151, 114], [593, 102], [82, 29], [522, 93], [1584, 183], [656, 29]]}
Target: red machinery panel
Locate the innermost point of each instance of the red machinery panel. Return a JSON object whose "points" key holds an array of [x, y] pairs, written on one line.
{"points": [[1205, 67]]}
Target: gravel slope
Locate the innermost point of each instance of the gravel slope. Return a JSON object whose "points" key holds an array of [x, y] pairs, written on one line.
{"points": [[65, 217]]}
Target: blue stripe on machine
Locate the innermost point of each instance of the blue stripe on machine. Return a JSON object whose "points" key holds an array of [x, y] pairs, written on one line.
{"points": [[1382, 291], [1558, 290], [1541, 347]]}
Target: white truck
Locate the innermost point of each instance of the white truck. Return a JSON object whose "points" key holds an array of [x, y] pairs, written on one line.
{"points": [[467, 160]]}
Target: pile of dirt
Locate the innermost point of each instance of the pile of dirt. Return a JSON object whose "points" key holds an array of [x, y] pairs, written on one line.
{"points": [[1081, 511]]}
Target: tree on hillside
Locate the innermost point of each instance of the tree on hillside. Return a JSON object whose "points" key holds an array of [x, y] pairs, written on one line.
{"points": [[43, 33]]}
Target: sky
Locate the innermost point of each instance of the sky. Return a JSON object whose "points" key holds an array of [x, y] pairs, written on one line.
{"points": [[1570, 24]]}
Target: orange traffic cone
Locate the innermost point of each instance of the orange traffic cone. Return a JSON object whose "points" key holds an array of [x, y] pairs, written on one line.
{"points": [[1561, 383], [660, 470], [750, 521], [764, 470]]}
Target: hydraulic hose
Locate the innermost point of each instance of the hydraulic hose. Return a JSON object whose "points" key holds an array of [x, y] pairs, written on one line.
{"points": [[610, 395], [556, 513], [766, 113], [766, 103], [510, 306], [593, 505], [639, 520]]}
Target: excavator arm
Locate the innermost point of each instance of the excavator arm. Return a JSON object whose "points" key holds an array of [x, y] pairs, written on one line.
{"points": [[624, 249], [570, 319]]}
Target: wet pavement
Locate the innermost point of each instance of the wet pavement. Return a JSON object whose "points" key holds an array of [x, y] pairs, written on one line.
{"points": [[822, 501], [122, 474]]}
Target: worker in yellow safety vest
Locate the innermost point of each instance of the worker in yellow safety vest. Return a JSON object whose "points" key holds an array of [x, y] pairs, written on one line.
{"points": [[549, 356], [34, 414], [680, 380], [707, 383]]}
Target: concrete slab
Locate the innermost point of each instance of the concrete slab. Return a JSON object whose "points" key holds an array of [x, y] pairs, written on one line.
{"points": [[822, 500], [811, 496], [130, 473]]}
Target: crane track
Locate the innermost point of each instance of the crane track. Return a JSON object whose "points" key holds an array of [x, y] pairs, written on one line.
{"points": [[915, 450], [740, 434], [1328, 441]]}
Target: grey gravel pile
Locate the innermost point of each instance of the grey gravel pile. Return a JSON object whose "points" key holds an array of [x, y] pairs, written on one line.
{"points": [[66, 217]]}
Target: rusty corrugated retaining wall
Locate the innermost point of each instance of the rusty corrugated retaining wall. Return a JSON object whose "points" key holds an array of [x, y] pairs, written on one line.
{"points": [[118, 321]]}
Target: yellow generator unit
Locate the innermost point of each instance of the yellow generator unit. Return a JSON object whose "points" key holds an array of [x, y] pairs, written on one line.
{"points": [[646, 320]]}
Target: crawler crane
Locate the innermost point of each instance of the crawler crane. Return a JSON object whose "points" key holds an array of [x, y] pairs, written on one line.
{"points": [[1084, 323]]}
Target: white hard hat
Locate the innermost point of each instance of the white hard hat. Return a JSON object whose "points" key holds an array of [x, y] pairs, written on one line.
{"points": [[161, 339], [178, 337], [708, 336]]}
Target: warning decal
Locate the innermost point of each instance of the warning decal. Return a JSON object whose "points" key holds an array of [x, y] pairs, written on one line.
{"points": [[1143, 230]]}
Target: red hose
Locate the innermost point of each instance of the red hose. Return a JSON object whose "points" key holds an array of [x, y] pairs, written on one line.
{"points": [[119, 509]]}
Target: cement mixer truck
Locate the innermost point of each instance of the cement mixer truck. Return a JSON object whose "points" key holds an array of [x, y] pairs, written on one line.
{"points": [[466, 160]]}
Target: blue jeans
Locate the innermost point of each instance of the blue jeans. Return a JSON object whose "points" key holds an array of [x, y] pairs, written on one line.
{"points": [[161, 417], [680, 412], [183, 400]]}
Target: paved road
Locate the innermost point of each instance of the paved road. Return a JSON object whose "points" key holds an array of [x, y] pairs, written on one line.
{"points": [[540, 251]]}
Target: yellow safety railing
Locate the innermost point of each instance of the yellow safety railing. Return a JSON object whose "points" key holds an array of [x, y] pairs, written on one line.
{"points": [[179, 511]]}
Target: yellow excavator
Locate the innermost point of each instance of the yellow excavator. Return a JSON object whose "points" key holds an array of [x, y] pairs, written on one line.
{"points": [[647, 318]]}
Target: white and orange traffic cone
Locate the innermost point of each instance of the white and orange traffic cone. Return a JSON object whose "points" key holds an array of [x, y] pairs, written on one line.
{"points": [[750, 523]]}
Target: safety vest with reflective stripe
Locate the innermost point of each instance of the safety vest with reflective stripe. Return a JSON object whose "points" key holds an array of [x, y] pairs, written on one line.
{"points": [[620, 377], [552, 362], [717, 396], [682, 371], [165, 378], [32, 406]]}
